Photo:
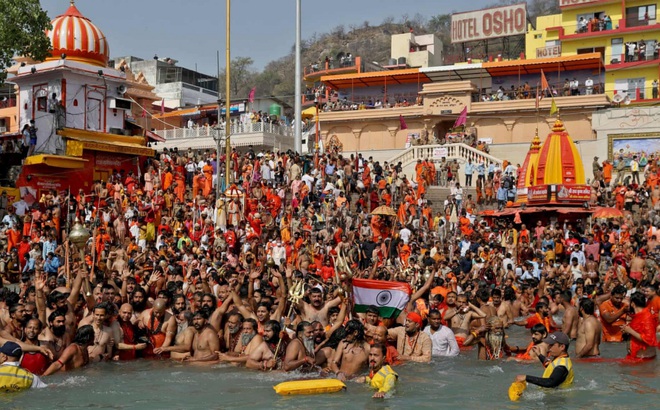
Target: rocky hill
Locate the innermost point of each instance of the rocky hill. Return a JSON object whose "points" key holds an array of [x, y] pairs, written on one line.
{"points": [[370, 42]]}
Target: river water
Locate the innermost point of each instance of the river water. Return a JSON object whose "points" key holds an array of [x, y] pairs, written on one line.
{"points": [[461, 382]]}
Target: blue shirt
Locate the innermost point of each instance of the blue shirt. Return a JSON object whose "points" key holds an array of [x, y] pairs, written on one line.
{"points": [[48, 246], [481, 169], [51, 266], [469, 168]]}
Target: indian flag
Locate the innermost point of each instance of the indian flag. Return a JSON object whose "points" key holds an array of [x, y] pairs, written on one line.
{"points": [[389, 297]]}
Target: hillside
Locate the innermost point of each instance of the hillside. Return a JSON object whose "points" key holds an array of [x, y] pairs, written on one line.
{"points": [[371, 42]]}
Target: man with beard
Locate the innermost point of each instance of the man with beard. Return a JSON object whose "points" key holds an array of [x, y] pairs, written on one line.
{"points": [[75, 355], [442, 337], [613, 314], [541, 316], [412, 344], [160, 327], [300, 351], [35, 362], [381, 376], [139, 302], [643, 340], [15, 328], [263, 358], [205, 342], [233, 333], [317, 309], [185, 334], [127, 346], [250, 341], [535, 347], [589, 331], [58, 301], [322, 353], [352, 352], [464, 314], [55, 335], [491, 340]]}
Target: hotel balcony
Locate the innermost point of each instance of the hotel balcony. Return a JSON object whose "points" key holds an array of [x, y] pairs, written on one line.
{"points": [[573, 32], [260, 135]]}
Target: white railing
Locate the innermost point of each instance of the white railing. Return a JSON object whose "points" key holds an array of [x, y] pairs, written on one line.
{"points": [[457, 151], [435, 153], [236, 129]]}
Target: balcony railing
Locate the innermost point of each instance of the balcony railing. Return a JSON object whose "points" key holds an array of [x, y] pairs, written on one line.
{"points": [[236, 129]]}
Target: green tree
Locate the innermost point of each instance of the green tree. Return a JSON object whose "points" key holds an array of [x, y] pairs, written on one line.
{"points": [[241, 79], [23, 24]]}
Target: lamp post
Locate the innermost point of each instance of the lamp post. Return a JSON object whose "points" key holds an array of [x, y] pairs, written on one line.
{"points": [[227, 96], [79, 237], [298, 102]]}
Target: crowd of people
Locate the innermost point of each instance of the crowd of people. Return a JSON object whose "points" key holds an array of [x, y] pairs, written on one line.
{"points": [[261, 276]]}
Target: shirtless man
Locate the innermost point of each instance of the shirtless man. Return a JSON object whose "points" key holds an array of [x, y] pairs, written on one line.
{"points": [[75, 355], [504, 310], [55, 335], [482, 298], [411, 343], [249, 342], [637, 268], [491, 340], [300, 351], [160, 327], [232, 335], [589, 331], [35, 362], [460, 320], [317, 309], [571, 316], [352, 353], [205, 343], [263, 358], [103, 344]]}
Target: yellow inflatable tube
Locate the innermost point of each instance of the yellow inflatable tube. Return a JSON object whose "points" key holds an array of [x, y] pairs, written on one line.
{"points": [[314, 386], [516, 390]]}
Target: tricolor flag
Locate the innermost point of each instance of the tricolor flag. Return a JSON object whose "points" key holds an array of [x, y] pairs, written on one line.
{"points": [[389, 297]]}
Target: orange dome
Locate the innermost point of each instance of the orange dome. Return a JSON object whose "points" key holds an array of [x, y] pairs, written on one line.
{"points": [[527, 173], [78, 38], [559, 161]]}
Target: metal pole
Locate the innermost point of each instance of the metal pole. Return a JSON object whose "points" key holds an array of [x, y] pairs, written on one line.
{"points": [[228, 99], [298, 97], [217, 130]]}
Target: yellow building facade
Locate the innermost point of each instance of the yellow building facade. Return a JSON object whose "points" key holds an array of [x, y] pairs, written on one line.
{"points": [[624, 32]]}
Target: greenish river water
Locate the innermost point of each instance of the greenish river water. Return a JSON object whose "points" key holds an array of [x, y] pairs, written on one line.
{"points": [[461, 382]]}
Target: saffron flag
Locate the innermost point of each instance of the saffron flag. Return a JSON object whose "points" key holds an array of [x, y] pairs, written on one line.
{"points": [[544, 82], [553, 108], [251, 96], [462, 118], [402, 123], [389, 297]]}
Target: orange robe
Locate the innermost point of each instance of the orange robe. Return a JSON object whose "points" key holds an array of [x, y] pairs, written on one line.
{"points": [[167, 180], [207, 170], [180, 189]]}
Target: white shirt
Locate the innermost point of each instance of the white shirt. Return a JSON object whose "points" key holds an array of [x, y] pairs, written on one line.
{"points": [[308, 180], [279, 253], [589, 83], [444, 342], [21, 207], [405, 235], [36, 381]]}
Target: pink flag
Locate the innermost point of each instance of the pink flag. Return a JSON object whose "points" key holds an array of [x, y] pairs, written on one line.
{"points": [[251, 96], [462, 118], [402, 123], [162, 107]]}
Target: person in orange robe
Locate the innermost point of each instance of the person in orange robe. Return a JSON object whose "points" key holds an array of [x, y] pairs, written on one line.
{"points": [[180, 188], [196, 183], [167, 179], [607, 171], [208, 178], [366, 177]]}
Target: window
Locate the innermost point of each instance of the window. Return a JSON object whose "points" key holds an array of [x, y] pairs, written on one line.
{"points": [[641, 15], [617, 51], [537, 36], [630, 87]]}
